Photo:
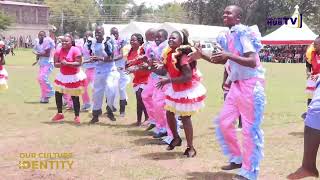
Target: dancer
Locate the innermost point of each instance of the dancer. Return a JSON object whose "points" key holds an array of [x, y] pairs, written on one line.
{"points": [[185, 94], [313, 69], [152, 97], [140, 76], [103, 81], [70, 80], [148, 47], [241, 48], [120, 63], [246, 96], [311, 140], [89, 68], [43, 49], [67, 100], [3, 72]]}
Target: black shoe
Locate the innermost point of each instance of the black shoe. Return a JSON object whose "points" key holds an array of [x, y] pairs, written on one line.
{"points": [[114, 109], [190, 152], [95, 116], [111, 117], [231, 166], [110, 114], [159, 135], [96, 113], [174, 143], [151, 126], [94, 120], [238, 177], [123, 104]]}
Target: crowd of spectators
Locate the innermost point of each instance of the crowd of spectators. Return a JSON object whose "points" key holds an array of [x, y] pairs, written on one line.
{"points": [[284, 54]]}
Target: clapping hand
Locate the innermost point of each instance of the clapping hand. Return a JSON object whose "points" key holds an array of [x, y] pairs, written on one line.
{"points": [[94, 58], [219, 57], [131, 69], [195, 55], [157, 64], [142, 58], [162, 82], [64, 62]]}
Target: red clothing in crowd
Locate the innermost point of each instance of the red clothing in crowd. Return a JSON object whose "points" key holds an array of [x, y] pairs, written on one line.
{"points": [[140, 77]]}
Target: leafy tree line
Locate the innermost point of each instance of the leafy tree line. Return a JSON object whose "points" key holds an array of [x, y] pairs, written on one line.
{"points": [[79, 15], [255, 11], [5, 21]]}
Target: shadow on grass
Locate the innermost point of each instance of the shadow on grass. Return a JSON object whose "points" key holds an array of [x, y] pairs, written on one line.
{"points": [[210, 175], [33, 102], [297, 134], [164, 156], [52, 108], [118, 126], [147, 141], [66, 122], [138, 132]]}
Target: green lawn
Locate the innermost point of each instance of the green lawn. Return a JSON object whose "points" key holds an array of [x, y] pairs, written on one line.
{"points": [[118, 150]]}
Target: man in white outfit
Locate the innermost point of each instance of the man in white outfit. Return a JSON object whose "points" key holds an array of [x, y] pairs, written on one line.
{"points": [[104, 81]]}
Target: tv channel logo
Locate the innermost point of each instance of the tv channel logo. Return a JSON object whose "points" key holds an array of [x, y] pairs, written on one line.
{"points": [[295, 22]]}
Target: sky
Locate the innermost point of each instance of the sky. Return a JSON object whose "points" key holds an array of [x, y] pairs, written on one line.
{"points": [[155, 3]]}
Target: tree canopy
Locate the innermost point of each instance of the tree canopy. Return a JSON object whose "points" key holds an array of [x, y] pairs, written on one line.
{"points": [[78, 15], [5, 21]]}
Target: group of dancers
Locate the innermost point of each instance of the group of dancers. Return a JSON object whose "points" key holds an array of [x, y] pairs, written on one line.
{"points": [[168, 86]]}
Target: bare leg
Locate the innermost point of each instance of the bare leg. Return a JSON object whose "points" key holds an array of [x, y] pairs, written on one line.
{"points": [[311, 146], [172, 124], [173, 127], [188, 130], [139, 107]]}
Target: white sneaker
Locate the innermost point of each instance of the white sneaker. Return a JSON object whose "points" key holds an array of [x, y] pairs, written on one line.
{"points": [[86, 107], [167, 139]]}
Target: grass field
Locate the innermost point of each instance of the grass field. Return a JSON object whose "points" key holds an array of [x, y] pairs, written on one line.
{"points": [[118, 150]]}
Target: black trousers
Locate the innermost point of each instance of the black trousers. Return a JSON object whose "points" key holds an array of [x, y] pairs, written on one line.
{"points": [[75, 100]]}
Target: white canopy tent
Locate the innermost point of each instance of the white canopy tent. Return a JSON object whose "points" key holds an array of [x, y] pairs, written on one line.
{"points": [[196, 32], [107, 27], [287, 34], [137, 27]]}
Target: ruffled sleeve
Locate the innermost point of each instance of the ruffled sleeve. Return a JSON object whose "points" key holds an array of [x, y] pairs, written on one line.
{"points": [[165, 53], [222, 40], [249, 34]]}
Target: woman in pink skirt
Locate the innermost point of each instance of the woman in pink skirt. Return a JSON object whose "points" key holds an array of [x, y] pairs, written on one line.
{"points": [[185, 94], [71, 79]]}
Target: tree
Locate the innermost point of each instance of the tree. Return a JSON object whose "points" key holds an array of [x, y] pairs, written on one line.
{"points": [[113, 10], [254, 11], [5, 21], [73, 15], [172, 12]]}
